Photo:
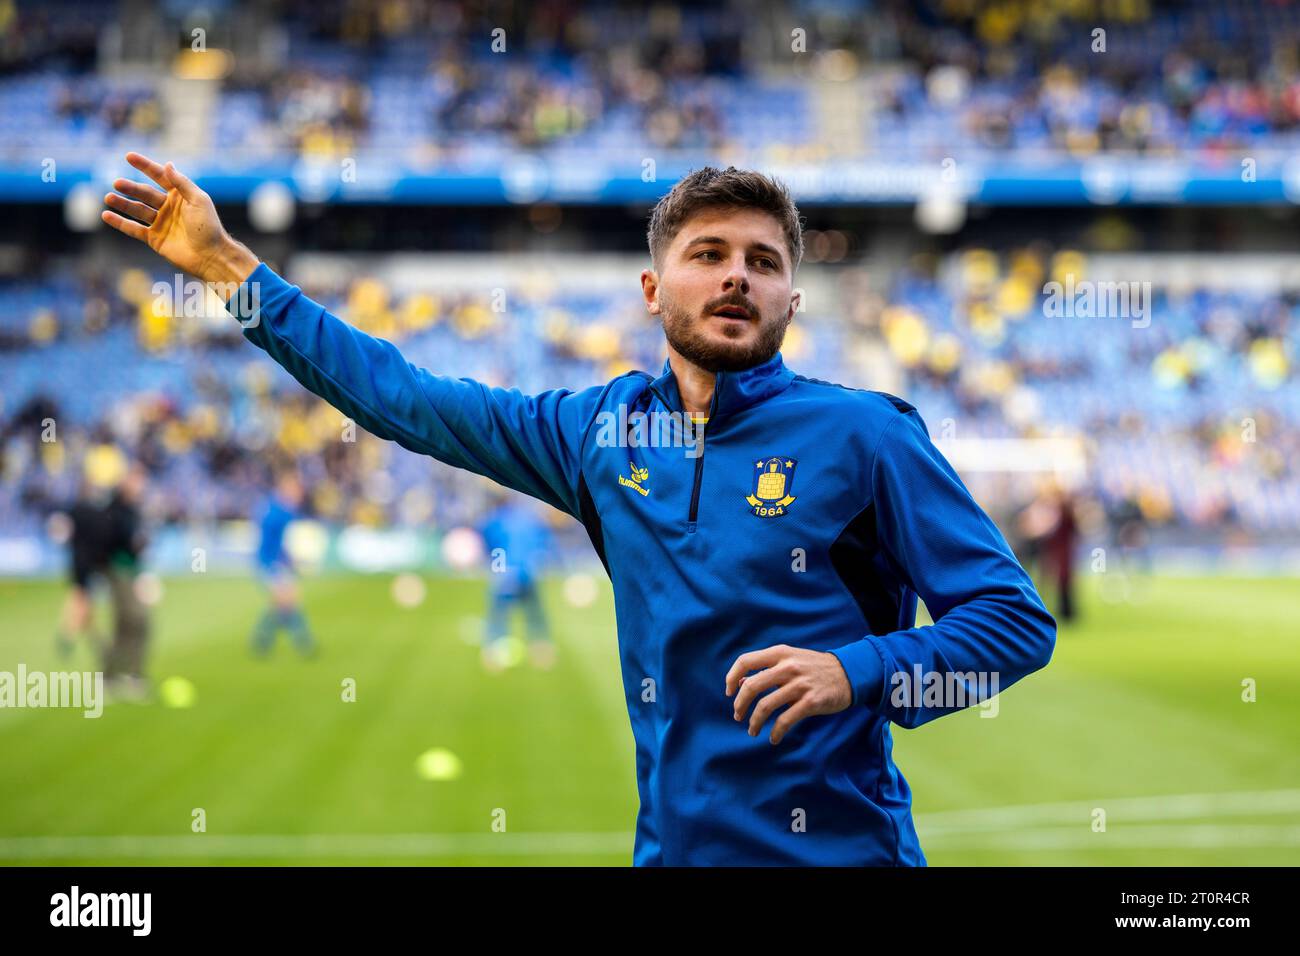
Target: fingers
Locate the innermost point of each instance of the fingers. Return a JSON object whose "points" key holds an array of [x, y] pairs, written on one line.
{"points": [[188, 190], [128, 226], [754, 685], [789, 717], [141, 191], [137, 210], [754, 660], [803, 681], [154, 171], [768, 704], [168, 177]]}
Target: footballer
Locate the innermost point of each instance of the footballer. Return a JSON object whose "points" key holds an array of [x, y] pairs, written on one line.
{"points": [[766, 582]]}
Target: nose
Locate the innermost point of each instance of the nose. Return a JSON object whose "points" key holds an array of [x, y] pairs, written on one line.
{"points": [[737, 277]]}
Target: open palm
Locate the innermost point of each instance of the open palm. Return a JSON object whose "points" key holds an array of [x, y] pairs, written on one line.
{"points": [[178, 221]]}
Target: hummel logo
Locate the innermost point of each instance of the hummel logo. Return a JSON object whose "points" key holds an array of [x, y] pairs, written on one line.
{"points": [[639, 476]]}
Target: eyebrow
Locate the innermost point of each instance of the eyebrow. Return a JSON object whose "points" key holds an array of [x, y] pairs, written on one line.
{"points": [[719, 241]]}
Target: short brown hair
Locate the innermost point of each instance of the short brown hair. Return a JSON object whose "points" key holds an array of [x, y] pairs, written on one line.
{"points": [[729, 188]]}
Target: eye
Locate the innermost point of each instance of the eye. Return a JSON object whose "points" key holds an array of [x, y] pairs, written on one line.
{"points": [[706, 252], [765, 262]]}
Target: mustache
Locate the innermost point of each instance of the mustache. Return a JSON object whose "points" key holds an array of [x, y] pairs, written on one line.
{"points": [[735, 299]]}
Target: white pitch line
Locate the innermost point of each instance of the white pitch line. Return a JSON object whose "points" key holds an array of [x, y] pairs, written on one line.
{"points": [[1186, 806], [233, 846], [424, 845], [1005, 828], [1173, 837]]}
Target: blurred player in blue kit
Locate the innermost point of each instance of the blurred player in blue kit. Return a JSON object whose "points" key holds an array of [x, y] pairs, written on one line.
{"points": [[516, 540], [275, 570]]}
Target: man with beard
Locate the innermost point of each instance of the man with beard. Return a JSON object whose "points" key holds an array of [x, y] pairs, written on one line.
{"points": [[769, 570]]}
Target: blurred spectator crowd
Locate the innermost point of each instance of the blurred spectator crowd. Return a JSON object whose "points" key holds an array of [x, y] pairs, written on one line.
{"points": [[433, 80], [1193, 417]]}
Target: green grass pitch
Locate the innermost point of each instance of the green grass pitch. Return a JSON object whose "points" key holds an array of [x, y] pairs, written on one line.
{"points": [[1139, 715]]}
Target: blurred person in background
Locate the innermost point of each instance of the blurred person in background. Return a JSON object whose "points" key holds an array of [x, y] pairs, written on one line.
{"points": [[1062, 541], [1032, 526], [87, 546], [1130, 541], [125, 537], [276, 571], [103, 470], [1048, 534], [517, 541]]}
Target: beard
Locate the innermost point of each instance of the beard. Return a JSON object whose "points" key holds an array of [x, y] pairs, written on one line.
{"points": [[685, 334]]}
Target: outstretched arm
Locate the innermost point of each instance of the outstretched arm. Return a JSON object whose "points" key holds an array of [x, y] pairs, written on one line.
{"points": [[531, 443]]}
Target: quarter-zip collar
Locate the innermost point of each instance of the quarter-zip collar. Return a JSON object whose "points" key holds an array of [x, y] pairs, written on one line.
{"points": [[732, 391]]}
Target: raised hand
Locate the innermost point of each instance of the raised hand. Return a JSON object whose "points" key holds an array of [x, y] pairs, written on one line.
{"points": [[178, 221]]}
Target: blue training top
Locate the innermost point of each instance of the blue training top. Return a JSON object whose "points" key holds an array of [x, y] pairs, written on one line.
{"points": [[813, 516]]}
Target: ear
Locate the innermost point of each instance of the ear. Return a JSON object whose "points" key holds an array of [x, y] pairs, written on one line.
{"points": [[650, 290], [795, 298]]}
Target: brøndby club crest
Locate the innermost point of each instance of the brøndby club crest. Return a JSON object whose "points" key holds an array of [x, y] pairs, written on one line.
{"points": [[773, 482]]}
